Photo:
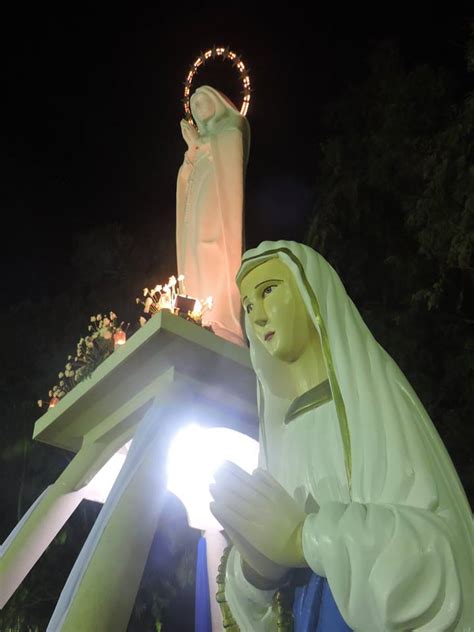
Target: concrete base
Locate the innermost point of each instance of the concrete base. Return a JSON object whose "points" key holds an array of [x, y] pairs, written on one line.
{"points": [[168, 360]]}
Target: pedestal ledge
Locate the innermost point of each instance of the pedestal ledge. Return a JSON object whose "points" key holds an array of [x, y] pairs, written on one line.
{"points": [[211, 372]]}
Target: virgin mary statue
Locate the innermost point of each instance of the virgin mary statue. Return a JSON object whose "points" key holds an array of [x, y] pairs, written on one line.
{"points": [[355, 488], [210, 203]]}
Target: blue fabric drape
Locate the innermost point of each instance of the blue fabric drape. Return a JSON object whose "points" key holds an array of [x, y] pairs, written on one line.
{"points": [[203, 605], [314, 608]]}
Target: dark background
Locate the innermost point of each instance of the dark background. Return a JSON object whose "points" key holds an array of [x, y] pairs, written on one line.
{"points": [[362, 146], [93, 102]]}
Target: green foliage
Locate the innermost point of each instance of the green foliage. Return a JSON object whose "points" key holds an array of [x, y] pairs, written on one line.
{"points": [[395, 216]]}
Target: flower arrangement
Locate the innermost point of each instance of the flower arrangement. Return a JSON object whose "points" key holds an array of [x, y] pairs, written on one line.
{"points": [[105, 335]]}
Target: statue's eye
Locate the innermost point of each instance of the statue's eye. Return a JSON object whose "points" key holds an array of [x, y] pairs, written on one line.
{"points": [[248, 308], [268, 290]]}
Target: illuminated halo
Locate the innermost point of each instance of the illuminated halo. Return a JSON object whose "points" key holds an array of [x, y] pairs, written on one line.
{"points": [[213, 53]]}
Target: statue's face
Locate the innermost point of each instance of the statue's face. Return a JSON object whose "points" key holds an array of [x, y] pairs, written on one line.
{"points": [[202, 106], [276, 311]]}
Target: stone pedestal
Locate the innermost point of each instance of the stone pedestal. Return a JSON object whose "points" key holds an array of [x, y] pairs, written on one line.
{"points": [[189, 375]]}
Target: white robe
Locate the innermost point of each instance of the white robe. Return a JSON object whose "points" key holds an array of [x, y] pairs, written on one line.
{"points": [[393, 530], [375, 556], [210, 214]]}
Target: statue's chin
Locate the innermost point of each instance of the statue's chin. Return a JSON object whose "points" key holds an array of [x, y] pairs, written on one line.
{"points": [[284, 355]]}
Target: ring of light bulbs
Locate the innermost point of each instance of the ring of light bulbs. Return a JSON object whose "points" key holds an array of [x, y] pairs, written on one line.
{"points": [[211, 54]]}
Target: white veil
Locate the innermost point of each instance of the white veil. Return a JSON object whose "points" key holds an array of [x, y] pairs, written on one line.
{"points": [[393, 454]]}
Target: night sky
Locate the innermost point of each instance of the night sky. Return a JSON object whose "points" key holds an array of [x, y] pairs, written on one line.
{"points": [[92, 104]]}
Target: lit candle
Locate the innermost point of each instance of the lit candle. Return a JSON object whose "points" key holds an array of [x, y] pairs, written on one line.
{"points": [[165, 302], [120, 338]]}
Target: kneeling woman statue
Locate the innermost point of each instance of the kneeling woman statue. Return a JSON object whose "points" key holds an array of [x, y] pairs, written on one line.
{"points": [[356, 503]]}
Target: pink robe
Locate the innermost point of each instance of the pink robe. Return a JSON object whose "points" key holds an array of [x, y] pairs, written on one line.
{"points": [[209, 220]]}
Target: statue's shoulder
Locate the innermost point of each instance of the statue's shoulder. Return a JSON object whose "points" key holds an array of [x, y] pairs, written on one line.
{"points": [[227, 129]]}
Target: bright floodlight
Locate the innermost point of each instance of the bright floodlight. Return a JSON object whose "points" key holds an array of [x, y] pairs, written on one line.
{"points": [[195, 454]]}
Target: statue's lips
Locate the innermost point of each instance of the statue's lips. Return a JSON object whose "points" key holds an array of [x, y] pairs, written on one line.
{"points": [[269, 336]]}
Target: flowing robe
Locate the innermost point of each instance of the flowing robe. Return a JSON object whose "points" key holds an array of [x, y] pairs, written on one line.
{"points": [[388, 523], [209, 217], [375, 556]]}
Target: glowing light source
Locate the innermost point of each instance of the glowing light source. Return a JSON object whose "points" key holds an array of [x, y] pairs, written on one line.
{"points": [[120, 338], [212, 53], [194, 456], [172, 297]]}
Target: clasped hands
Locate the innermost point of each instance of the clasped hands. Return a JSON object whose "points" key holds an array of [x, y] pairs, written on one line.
{"points": [[190, 135], [261, 518]]}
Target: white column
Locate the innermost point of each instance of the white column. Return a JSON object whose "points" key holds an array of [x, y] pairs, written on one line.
{"points": [[43, 521], [101, 588]]}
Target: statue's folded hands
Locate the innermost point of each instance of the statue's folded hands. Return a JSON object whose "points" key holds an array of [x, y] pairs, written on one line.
{"points": [[190, 134], [258, 510]]}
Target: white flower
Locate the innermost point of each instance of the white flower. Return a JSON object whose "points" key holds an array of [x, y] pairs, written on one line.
{"points": [[148, 304]]}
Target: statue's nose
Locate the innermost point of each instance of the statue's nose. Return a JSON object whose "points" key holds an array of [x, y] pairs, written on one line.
{"points": [[260, 317]]}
